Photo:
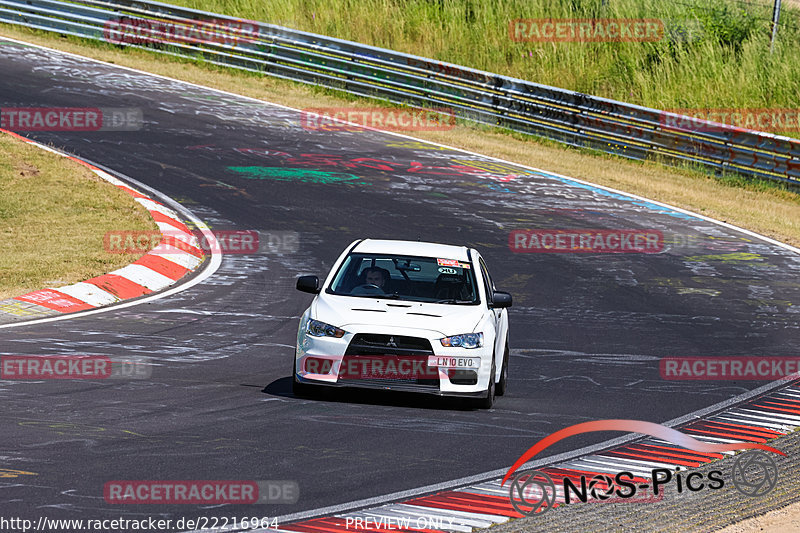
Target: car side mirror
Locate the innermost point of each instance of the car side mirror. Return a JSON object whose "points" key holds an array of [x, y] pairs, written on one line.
{"points": [[308, 284], [501, 299]]}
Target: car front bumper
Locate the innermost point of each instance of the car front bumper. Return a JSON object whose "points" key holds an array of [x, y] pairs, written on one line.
{"points": [[329, 361]]}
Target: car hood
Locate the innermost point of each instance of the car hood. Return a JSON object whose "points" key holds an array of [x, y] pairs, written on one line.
{"points": [[444, 319]]}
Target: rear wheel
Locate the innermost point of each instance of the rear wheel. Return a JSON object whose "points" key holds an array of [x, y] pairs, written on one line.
{"points": [[503, 383]]}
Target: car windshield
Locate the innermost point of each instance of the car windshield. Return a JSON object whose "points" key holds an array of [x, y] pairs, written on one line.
{"points": [[420, 279]]}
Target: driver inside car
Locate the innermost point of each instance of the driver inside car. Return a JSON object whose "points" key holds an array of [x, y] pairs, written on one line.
{"points": [[376, 276]]}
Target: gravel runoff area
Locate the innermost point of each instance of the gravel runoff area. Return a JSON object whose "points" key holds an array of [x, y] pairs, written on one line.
{"points": [[704, 510]]}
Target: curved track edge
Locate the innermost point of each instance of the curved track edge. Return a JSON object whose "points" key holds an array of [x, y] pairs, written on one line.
{"points": [[182, 262]]}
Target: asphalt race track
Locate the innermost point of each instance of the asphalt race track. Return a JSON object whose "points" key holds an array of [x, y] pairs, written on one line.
{"points": [[587, 330]]}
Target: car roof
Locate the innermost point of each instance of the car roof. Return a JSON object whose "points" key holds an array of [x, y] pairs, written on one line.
{"points": [[421, 249]]}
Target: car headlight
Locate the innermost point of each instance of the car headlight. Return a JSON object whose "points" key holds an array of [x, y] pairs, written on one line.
{"points": [[465, 340], [317, 328]]}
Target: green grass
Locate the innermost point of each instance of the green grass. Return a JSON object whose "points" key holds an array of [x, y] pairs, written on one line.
{"points": [[715, 52], [53, 215]]}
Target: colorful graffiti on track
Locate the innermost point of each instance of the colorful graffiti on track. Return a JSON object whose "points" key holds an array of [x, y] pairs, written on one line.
{"points": [[303, 175]]}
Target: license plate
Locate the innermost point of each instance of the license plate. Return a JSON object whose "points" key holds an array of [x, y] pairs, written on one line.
{"points": [[453, 362]]}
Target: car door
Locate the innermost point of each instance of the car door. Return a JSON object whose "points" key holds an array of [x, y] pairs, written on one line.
{"points": [[497, 314]]}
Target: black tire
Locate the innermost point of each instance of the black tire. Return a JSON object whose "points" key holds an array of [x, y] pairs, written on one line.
{"points": [[488, 401], [502, 385]]}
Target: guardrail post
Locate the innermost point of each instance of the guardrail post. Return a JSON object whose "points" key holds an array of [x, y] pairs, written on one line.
{"points": [[776, 15]]}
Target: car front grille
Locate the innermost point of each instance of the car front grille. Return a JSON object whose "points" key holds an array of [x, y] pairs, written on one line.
{"points": [[397, 347], [378, 344]]}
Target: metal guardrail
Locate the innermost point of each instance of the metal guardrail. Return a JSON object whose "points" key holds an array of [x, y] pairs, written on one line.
{"points": [[573, 118]]}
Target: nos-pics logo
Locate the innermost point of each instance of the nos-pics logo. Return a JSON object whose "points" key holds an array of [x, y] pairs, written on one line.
{"points": [[753, 474]]}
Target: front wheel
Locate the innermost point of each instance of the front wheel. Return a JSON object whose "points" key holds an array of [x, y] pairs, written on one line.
{"points": [[488, 401], [502, 385]]}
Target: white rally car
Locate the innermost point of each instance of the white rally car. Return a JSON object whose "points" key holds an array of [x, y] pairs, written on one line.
{"points": [[404, 315]]}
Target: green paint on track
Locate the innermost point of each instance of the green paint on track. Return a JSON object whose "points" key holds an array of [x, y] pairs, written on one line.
{"points": [[296, 174]]}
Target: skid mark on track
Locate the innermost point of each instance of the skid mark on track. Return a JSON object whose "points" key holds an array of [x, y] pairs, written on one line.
{"points": [[725, 258], [8, 473]]}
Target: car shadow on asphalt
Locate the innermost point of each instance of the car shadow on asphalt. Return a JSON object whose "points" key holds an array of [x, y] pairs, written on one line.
{"points": [[282, 388]]}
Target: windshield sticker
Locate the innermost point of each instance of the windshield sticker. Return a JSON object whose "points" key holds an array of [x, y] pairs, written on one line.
{"points": [[447, 262], [448, 270]]}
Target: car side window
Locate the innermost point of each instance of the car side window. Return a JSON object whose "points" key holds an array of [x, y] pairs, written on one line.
{"points": [[487, 282]]}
